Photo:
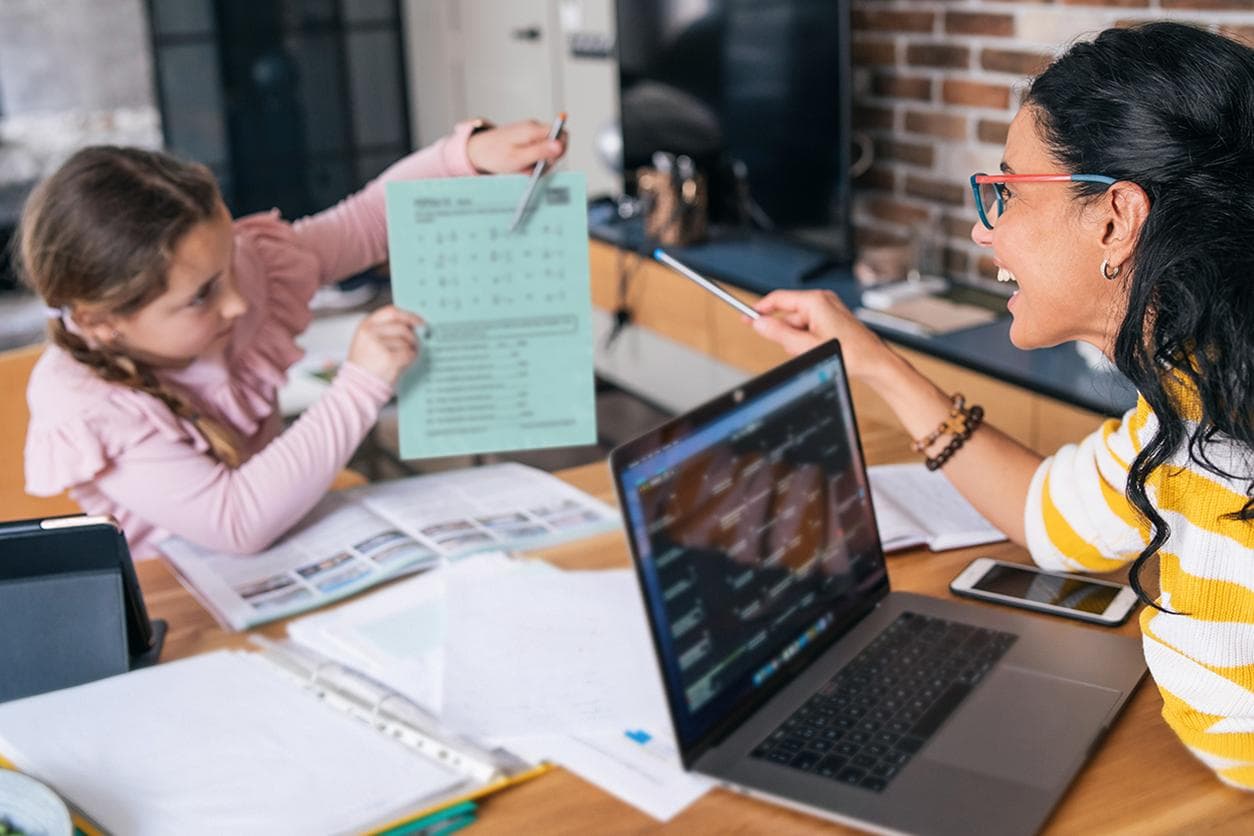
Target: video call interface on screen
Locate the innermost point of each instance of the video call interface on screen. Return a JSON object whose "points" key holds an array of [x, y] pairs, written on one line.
{"points": [[755, 530]]}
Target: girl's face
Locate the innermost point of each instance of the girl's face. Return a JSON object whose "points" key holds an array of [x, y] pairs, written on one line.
{"points": [[1052, 246], [197, 313]]}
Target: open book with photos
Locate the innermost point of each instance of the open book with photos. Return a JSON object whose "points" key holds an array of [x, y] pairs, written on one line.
{"points": [[356, 539]]}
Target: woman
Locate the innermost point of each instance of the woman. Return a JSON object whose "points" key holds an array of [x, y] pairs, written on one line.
{"points": [[1142, 244]]}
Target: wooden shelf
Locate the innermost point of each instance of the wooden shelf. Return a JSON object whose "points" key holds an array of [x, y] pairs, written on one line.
{"points": [[668, 305]]}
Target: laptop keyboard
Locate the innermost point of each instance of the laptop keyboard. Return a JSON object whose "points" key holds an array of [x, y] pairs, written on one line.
{"points": [[869, 719]]}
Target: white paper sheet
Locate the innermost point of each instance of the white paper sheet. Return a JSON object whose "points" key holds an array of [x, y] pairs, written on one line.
{"points": [[216, 743], [396, 636], [639, 766], [914, 505], [542, 653]]}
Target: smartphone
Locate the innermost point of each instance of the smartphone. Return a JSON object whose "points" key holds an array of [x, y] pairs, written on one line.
{"points": [[1071, 596]]}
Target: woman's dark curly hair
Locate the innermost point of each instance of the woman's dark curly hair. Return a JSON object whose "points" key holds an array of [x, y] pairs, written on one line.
{"points": [[1170, 107]]}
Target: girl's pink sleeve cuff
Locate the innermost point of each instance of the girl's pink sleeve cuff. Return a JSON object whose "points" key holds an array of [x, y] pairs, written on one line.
{"points": [[363, 383]]}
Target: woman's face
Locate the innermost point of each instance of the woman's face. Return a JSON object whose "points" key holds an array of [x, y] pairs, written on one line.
{"points": [[1051, 245]]}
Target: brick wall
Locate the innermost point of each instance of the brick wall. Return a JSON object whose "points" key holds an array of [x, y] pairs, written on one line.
{"points": [[936, 83]]}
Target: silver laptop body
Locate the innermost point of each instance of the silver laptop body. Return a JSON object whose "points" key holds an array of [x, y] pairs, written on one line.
{"points": [[754, 539]]}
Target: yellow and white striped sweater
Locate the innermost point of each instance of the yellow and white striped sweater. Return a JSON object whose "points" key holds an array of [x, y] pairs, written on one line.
{"points": [[1079, 519]]}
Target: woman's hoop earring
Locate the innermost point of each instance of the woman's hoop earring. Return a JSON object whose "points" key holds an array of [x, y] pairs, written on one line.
{"points": [[1108, 274]]}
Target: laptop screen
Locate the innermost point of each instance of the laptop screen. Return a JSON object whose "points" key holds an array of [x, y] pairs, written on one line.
{"points": [[755, 542]]}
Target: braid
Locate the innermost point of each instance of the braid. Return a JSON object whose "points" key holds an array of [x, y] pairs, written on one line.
{"points": [[224, 443]]}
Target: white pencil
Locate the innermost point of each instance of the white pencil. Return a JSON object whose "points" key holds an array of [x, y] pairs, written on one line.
{"points": [[692, 275]]}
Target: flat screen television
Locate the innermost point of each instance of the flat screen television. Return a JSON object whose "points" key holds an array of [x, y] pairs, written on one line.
{"points": [[757, 93]]}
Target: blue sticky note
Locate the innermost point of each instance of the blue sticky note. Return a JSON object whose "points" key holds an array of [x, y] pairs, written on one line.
{"points": [[639, 735], [507, 360]]}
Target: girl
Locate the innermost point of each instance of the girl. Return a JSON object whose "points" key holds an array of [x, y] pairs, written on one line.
{"points": [[1146, 253], [172, 327]]}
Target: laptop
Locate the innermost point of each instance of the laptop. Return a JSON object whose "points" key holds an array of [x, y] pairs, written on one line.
{"points": [[792, 672]]}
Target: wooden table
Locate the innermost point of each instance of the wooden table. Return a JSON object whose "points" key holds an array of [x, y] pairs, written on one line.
{"points": [[1141, 781]]}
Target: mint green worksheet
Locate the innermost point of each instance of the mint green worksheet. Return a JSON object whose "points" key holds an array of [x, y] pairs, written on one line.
{"points": [[507, 361]]}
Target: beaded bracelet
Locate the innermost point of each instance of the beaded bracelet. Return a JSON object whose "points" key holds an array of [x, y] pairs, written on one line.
{"points": [[953, 424], [973, 416]]}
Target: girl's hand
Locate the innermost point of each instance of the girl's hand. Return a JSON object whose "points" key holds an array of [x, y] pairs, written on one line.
{"points": [[805, 318], [385, 343], [514, 148]]}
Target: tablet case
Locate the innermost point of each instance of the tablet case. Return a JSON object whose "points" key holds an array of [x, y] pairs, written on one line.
{"points": [[70, 606]]}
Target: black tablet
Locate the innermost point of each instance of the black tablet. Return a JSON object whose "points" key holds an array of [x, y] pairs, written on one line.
{"points": [[71, 610]]}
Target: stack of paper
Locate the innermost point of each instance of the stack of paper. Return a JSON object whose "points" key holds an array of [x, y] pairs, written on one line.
{"points": [[547, 664], [397, 635]]}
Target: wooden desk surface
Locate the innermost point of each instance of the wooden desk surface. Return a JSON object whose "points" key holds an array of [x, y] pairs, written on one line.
{"points": [[1141, 780]]}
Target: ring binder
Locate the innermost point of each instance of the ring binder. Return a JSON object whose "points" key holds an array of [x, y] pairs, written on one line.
{"points": [[374, 713], [317, 672], [360, 696]]}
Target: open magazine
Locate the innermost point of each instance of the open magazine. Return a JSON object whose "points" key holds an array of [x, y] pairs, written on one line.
{"points": [[356, 539]]}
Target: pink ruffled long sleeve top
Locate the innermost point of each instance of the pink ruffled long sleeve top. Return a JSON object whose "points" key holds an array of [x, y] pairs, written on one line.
{"points": [[122, 452]]}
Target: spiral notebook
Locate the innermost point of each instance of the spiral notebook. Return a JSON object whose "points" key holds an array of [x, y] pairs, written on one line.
{"points": [[275, 741]]}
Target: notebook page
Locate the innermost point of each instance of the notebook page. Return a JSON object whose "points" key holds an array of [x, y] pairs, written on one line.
{"points": [[214, 744], [898, 528], [942, 515]]}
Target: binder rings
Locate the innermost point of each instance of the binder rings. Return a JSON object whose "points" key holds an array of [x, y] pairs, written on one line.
{"points": [[486, 771]]}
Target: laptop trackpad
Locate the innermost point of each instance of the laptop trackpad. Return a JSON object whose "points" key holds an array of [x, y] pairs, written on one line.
{"points": [[1024, 726]]}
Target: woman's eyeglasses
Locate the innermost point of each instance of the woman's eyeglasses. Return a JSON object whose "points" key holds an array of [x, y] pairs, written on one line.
{"points": [[990, 189]]}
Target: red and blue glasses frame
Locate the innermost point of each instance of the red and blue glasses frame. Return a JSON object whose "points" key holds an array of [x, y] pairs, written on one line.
{"points": [[998, 180]]}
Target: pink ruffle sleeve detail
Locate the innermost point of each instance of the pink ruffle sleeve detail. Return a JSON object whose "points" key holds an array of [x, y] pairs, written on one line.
{"points": [[62, 454], [80, 423], [279, 277]]}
